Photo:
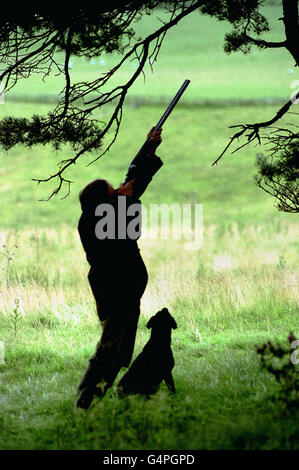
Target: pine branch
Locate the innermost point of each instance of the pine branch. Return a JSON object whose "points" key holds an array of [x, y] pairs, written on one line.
{"points": [[141, 50], [255, 128], [263, 43]]}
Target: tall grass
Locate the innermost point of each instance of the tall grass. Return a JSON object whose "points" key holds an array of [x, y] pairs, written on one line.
{"points": [[234, 292]]}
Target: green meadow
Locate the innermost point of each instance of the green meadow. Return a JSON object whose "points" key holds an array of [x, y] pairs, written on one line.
{"points": [[238, 290]]}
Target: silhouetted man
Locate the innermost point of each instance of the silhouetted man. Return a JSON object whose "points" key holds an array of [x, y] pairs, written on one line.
{"points": [[117, 274]]}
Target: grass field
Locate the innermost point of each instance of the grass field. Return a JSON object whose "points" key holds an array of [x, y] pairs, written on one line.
{"points": [[238, 290]]}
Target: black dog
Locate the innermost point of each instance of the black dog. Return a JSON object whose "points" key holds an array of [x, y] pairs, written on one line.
{"points": [[155, 362]]}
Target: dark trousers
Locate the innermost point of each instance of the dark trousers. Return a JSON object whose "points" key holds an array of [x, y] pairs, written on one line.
{"points": [[117, 295]]}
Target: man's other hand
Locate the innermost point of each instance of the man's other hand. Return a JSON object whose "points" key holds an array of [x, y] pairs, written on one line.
{"points": [[125, 189]]}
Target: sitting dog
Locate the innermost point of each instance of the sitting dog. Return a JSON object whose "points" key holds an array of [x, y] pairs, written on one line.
{"points": [[155, 362]]}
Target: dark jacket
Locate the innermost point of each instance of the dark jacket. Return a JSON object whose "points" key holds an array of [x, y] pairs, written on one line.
{"points": [[120, 248]]}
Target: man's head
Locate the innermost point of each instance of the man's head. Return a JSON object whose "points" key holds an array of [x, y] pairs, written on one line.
{"points": [[96, 192]]}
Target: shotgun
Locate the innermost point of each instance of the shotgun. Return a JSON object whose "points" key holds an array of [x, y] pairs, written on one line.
{"points": [[160, 123]]}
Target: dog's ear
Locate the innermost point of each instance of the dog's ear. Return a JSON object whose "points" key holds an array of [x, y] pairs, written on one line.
{"points": [[173, 323]]}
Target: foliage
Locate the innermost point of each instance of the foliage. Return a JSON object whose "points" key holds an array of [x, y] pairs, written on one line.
{"points": [[279, 175], [276, 359], [245, 17]]}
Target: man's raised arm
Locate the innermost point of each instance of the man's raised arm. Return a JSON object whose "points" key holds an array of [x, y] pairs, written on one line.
{"points": [[144, 166]]}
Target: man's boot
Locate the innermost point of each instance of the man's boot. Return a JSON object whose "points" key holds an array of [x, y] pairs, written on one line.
{"points": [[86, 387], [84, 398], [94, 382]]}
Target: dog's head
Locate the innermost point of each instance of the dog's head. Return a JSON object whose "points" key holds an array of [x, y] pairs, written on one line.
{"points": [[162, 319]]}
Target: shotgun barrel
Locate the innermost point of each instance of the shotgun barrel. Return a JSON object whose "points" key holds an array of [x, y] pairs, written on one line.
{"points": [[137, 162], [166, 114]]}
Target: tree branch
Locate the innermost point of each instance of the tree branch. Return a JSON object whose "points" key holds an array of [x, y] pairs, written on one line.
{"points": [[14, 67], [80, 90], [255, 128], [266, 44]]}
